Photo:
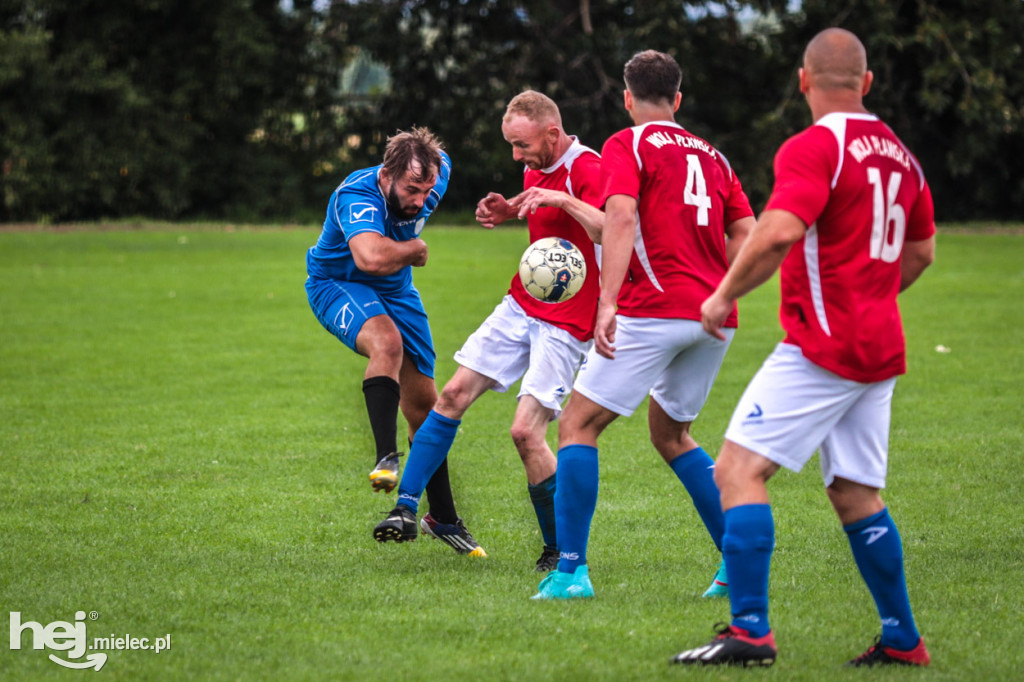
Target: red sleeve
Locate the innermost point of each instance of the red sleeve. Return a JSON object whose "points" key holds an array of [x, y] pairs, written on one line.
{"points": [[804, 166], [586, 179], [620, 173]]}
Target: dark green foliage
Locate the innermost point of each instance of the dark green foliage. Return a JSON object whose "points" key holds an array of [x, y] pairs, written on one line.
{"points": [[151, 107], [456, 63], [243, 108], [946, 81]]}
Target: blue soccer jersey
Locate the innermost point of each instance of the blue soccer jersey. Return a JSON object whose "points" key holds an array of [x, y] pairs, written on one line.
{"points": [[357, 206]]}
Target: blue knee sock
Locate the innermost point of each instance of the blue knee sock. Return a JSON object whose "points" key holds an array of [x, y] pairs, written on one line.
{"points": [[575, 501], [695, 470], [429, 448], [878, 551], [747, 547], [543, 497]]}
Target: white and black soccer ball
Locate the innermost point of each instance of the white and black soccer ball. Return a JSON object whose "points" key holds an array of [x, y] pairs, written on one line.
{"points": [[552, 269]]}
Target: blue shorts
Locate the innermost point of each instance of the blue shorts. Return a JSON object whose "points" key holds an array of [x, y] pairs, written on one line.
{"points": [[343, 308]]}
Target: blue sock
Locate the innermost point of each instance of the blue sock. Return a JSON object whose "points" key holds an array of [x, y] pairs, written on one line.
{"points": [[575, 501], [878, 551], [429, 449], [747, 547], [695, 470], [543, 497]]}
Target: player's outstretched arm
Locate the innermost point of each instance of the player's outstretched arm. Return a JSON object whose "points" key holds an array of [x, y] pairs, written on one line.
{"points": [[590, 217], [758, 259], [493, 210]]}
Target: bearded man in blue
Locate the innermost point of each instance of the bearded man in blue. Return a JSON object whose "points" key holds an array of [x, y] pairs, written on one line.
{"points": [[361, 290]]}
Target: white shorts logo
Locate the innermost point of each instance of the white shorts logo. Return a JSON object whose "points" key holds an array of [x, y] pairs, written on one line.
{"points": [[755, 416], [344, 318]]}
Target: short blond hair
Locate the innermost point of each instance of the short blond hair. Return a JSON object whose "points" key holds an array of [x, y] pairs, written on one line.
{"points": [[535, 106]]}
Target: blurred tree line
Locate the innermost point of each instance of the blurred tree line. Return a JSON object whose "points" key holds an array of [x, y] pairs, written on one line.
{"points": [[256, 109]]}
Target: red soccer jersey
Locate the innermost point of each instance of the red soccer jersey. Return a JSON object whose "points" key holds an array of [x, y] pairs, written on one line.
{"points": [[862, 194], [686, 195], [578, 172]]}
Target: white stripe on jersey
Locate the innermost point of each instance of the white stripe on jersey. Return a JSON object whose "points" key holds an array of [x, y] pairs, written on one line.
{"points": [[638, 239], [836, 124], [641, 253], [356, 179], [814, 277]]}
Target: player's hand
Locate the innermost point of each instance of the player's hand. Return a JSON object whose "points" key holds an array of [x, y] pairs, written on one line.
{"points": [[604, 330], [713, 312], [528, 202], [492, 210], [420, 252]]}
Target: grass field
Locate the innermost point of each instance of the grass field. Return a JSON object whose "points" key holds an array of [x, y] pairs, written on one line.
{"points": [[183, 452]]}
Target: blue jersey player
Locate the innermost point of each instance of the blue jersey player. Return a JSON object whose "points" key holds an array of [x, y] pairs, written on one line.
{"points": [[361, 290]]}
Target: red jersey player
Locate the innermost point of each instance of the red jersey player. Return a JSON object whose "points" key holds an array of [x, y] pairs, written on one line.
{"points": [[851, 221], [670, 201], [543, 343]]}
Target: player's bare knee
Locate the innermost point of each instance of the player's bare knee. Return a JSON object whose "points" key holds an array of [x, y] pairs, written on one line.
{"points": [[525, 439], [385, 348], [453, 401], [852, 501], [738, 473]]}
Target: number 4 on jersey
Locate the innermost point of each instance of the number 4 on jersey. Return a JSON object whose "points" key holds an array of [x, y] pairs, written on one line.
{"points": [[696, 191], [889, 224]]}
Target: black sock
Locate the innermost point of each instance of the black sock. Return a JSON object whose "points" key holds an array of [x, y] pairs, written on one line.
{"points": [[439, 496], [543, 497], [382, 395]]}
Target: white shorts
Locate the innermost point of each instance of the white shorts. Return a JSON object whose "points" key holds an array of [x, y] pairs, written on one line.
{"points": [[511, 344], [673, 360], [792, 407]]}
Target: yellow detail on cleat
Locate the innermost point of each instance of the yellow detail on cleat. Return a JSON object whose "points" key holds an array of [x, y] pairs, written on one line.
{"points": [[383, 480], [479, 553]]}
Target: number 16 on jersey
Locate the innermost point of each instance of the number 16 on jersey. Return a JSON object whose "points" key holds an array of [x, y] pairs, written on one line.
{"points": [[889, 224]]}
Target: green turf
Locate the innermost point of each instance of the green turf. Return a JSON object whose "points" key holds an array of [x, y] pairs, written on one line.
{"points": [[184, 450]]}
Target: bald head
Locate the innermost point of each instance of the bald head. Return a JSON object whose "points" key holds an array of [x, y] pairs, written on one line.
{"points": [[835, 59]]}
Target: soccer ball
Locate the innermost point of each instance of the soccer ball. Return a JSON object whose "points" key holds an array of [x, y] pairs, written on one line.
{"points": [[552, 270]]}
